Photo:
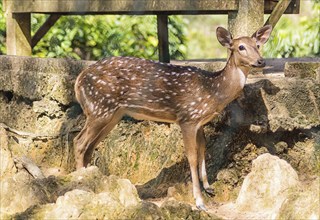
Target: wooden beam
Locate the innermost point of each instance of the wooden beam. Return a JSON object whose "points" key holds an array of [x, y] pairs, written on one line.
{"points": [[18, 34], [293, 7], [120, 6], [163, 37], [136, 6], [51, 20], [277, 12]]}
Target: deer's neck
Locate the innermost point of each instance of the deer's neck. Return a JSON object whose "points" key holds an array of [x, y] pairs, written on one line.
{"points": [[234, 73], [230, 82]]}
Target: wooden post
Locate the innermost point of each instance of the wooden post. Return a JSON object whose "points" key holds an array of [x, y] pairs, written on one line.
{"points": [[247, 19], [163, 37], [18, 34]]}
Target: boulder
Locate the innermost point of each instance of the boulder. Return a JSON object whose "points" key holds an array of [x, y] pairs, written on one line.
{"points": [[267, 185], [302, 204], [21, 192], [84, 194], [272, 190]]}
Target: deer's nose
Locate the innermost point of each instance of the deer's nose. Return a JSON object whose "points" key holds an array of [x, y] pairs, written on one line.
{"points": [[261, 63]]}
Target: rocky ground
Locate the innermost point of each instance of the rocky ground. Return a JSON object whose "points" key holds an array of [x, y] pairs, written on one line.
{"points": [[263, 152]]}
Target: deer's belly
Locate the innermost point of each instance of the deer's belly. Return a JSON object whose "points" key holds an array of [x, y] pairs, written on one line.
{"points": [[160, 115]]}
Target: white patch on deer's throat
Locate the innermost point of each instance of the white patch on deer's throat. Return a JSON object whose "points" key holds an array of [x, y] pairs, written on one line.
{"points": [[242, 77]]}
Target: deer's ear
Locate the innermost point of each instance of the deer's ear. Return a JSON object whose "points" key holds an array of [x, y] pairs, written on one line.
{"points": [[262, 35], [224, 37]]}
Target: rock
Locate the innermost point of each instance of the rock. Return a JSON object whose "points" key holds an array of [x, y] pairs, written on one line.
{"points": [[123, 188], [87, 205], [88, 194], [272, 191], [181, 192], [302, 70], [274, 104], [148, 211], [20, 192], [83, 194], [267, 185], [280, 147], [6, 161], [178, 210], [304, 157], [228, 176], [302, 204]]}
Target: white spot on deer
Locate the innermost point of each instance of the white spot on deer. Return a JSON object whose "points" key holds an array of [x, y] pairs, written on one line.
{"points": [[100, 67], [194, 116], [218, 85]]}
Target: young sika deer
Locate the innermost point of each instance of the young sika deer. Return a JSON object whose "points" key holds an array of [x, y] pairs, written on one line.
{"points": [[144, 89]]}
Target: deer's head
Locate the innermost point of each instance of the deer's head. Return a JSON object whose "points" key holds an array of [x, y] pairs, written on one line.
{"points": [[245, 50]]}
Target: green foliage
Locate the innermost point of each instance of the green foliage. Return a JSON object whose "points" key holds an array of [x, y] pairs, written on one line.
{"points": [[2, 31], [296, 38], [202, 41], [94, 37]]}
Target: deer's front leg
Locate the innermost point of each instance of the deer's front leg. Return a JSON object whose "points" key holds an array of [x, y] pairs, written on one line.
{"points": [[201, 142], [189, 134]]}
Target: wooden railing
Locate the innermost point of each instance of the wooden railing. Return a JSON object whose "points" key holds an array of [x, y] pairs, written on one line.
{"points": [[244, 16]]}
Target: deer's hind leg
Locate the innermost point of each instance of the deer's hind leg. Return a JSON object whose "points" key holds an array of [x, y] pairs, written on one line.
{"points": [[95, 130]]}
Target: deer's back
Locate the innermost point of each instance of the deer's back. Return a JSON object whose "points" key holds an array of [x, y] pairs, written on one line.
{"points": [[143, 86]]}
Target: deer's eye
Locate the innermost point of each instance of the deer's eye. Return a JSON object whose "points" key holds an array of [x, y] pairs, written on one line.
{"points": [[241, 47]]}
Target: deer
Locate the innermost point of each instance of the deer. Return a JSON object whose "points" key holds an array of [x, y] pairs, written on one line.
{"points": [[115, 87]]}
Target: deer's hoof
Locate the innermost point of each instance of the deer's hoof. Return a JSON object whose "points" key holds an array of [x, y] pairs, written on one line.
{"points": [[209, 191], [200, 205]]}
